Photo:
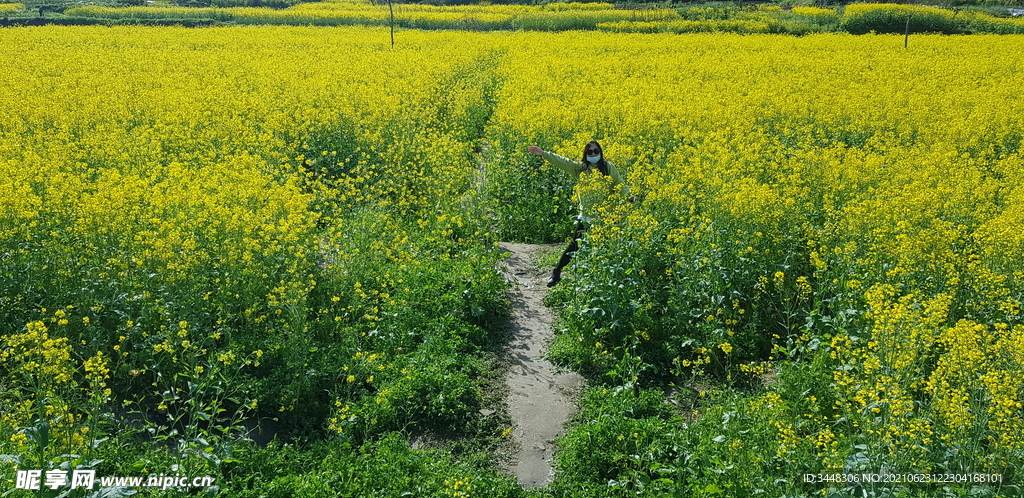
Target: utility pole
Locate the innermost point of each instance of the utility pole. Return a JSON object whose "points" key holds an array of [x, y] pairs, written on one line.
{"points": [[392, 9], [906, 33]]}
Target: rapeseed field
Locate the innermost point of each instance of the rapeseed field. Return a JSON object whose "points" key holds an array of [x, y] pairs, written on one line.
{"points": [[215, 235]]}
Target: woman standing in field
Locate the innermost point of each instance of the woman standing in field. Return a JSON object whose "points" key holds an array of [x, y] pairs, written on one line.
{"points": [[593, 161]]}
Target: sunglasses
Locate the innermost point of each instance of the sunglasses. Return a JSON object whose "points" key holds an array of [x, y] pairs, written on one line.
{"points": [[593, 152]]}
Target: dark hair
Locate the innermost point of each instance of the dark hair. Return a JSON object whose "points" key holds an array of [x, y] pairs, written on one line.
{"points": [[602, 165]]}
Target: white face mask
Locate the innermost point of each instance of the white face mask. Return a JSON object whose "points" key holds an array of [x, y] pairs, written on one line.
{"points": [[593, 159]]}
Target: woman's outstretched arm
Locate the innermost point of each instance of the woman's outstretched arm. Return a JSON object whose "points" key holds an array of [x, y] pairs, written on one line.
{"points": [[563, 163]]}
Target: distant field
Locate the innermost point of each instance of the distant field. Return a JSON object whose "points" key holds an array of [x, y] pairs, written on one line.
{"points": [[764, 18]]}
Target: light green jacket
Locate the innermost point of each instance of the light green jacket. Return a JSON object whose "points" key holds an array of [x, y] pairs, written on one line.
{"points": [[574, 168]]}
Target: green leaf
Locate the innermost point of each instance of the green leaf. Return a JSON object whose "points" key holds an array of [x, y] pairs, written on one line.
{"points": [[113, 492]]}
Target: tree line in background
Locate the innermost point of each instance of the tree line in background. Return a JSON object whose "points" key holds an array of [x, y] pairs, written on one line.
{"points": [[859, 18]]}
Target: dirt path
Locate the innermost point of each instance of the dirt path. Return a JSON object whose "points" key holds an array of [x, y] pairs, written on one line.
{"points": [[541, 400]]}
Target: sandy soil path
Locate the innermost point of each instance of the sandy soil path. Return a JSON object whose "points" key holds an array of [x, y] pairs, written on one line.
{"points": [[541, 398]]}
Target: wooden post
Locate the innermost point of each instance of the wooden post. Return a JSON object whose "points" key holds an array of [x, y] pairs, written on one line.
{"points": [[906, 32], [392, 9]]}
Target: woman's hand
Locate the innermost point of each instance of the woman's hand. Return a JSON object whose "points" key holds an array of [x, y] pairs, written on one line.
{"points": [[537, 151]]}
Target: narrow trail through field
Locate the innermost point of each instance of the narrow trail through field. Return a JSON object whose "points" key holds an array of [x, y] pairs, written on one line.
{"points": [[541, 399]]}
